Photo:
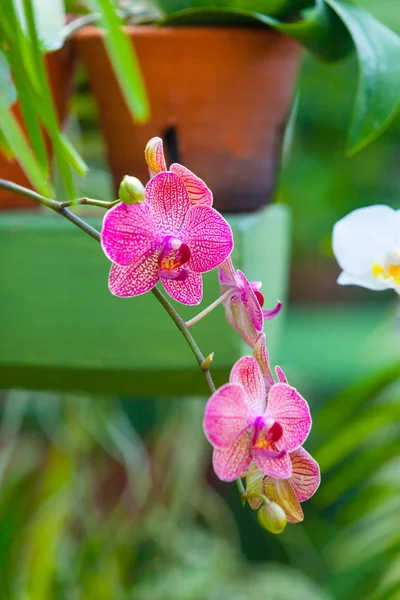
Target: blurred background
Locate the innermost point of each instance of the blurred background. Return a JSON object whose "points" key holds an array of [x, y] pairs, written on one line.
{"points": [[114, 498]]}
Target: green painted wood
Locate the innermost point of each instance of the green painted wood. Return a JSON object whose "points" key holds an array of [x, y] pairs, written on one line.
{"points": [[62, 329]]}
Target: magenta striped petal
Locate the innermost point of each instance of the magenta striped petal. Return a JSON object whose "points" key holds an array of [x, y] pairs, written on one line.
{"points": [[227, 415], [135, 279], [291, 411], [280, 374], [198, 192], [128, 232], [188, 291], [270, 313], [234, 460], [169, 202], [251, 303], [246, 372], [208, 236], [278, 468], [305, 474], [260, 352]]}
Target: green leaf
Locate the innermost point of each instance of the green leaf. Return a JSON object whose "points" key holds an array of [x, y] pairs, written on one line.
{"points": [[320, 30], [378, 94], [20, 60], [15, 138], [50, 21], [124, 61], [7, 87]]}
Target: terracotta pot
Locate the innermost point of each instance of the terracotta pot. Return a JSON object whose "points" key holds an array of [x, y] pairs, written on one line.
{"points": [[60, 67], [219, 97]]}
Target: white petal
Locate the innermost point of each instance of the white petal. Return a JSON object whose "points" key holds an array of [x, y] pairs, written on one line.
{"points": [[366, 281], [363, 237]]}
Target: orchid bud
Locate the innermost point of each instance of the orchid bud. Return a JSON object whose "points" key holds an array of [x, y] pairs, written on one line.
{"points": [[131, 190], [272, 517], [154, 155]]}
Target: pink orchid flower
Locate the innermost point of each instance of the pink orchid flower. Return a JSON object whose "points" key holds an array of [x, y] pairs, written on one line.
{"points": [[287, 493], [243, 306], [167, 238], [199, 193], [244, 425], [260, 353]]}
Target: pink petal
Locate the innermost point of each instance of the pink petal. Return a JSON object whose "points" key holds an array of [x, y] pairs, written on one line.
{"points": [[269, 314], [189, 291], [154, 155], [280, 374], [305, 474], [246, 372], [252, 305], [169, 202], [227, 274], [128, 232], [227, 415], [198, 192], [209, 238], [260, 352], [234, 460], [278, 468], [239, 319], [291, 411], [135, 279]]}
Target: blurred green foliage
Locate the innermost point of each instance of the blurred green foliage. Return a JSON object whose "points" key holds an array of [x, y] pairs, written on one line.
{"points": [[318, 179]]}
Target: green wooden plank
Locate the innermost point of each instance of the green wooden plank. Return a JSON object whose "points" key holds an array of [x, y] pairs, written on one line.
{"points": [[62, 329]]}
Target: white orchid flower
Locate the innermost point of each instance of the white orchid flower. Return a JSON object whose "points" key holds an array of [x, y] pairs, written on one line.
{"points": [[366, 244]]}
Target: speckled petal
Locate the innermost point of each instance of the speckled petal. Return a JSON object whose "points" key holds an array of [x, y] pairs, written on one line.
{"points": [[291, 411], [281, 492], [154, 155], [188, 291], [279, 468], [128, 232], [305, 474], [209, 238], [227, 415], [234, 460], [252, 305], [198, 192], [135, 279], [169, 202], [247, 373], [260, 352]]}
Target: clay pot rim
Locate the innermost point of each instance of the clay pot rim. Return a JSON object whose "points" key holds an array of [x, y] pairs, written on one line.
{"points": [[207, 31]]}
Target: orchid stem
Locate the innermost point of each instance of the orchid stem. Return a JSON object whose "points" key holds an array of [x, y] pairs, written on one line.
{"points": [[207, 310], [61, 208]]}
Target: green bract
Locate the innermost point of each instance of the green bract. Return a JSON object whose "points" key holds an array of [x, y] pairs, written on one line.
{"points": [[331, 30]]}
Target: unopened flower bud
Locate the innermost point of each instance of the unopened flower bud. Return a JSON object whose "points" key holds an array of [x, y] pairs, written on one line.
{"points": [[272, 517], [131, 190], [154, 155]]}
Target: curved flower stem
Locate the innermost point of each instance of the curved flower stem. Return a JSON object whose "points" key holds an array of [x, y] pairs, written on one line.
{"points": [[90, 202], [60, 208], [209, 308], [180, 323]]}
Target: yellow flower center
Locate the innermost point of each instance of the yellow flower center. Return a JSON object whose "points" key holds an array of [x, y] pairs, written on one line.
{"points": [[390, 272]]}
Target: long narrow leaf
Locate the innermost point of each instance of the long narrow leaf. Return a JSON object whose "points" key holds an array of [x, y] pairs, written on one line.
{"points": [[14, 136], [124, 61]]}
